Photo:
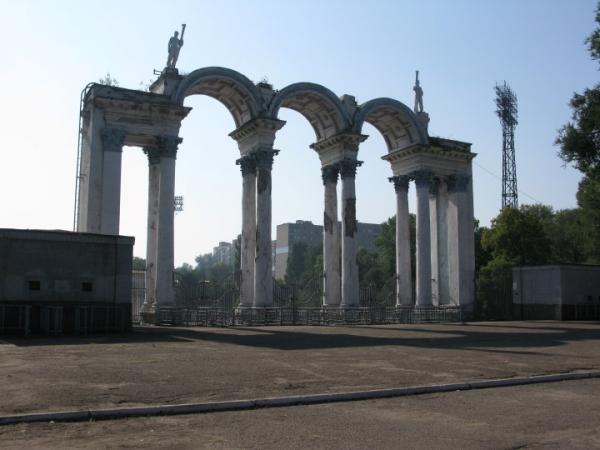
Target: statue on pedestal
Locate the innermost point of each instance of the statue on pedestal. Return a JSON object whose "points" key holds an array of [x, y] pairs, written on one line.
{"points": [[175, 44], [418, 96]]}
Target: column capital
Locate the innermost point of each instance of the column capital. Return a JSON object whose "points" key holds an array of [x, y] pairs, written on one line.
{"points": [[400, 182], [433, 186], [348, 167], [330, 173], [458, 182], [167, 144], [422, 177], [264, 158], [247, 165], [113, 139], [153, 154]]}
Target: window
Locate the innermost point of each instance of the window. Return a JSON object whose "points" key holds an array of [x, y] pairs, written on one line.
{"points": [[87, 286], [34, 285]]}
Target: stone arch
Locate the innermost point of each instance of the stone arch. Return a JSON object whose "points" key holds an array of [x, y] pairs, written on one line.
{"points": [[394, 120], [320, 106], [234, 90]]}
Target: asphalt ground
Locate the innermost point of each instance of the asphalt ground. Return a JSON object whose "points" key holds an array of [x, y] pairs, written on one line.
{"points": [[182, 365], [550, 416]]}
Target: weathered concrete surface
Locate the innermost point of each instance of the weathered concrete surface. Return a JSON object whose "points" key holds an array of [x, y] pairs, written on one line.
{"points": [[555, 415], [177, 365]]}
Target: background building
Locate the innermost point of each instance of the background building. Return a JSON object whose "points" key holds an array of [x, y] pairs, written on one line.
{"points": [[60, 281], [223, 253], [304, 231], [557, 292]]}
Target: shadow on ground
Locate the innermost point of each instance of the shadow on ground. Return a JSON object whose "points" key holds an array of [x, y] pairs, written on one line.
{"points": [[527, 335]]}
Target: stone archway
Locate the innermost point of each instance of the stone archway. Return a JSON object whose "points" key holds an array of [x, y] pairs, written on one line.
{"points": [[115, 117]]}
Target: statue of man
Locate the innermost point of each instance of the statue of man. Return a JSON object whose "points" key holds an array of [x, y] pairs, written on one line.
{"points": [[418, 96], [175, 44]]}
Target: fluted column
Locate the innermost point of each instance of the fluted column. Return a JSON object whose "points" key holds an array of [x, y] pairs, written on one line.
{"points": [[433, 227], [331, 239], [404, 295], [112, 140], [165, 256], [152, 233], [460, 241], [350, 296], [422, 183], [442, 242], [248, 244], [263, 273]]}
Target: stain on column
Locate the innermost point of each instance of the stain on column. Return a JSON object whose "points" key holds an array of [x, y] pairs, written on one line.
{"points": [[327, 223], [264, 180], [350, 217]]}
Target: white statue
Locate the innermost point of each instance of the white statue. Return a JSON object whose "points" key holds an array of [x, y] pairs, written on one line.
{"points": [[418, 96], [175, 44]]}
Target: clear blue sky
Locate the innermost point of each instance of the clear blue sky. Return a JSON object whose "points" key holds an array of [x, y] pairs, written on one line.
{"points": [[51, 50]]}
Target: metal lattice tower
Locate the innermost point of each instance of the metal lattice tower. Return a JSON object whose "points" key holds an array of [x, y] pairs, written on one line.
{"points": [[506, 102]]}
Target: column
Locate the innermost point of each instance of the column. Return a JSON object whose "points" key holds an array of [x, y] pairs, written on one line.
{"points": [[331, 239], [403, 265], [152, 234], [248, 245], [350, 296], [165, 258], [89, 208], [442, 243], [433, 230], [460, 238], [263, 272], [112, 140], [422, 183]]}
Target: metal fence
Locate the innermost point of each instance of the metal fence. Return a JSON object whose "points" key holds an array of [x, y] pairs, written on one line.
{"points": [[208, 303]]}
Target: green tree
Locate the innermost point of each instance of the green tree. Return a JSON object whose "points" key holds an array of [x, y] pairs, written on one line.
{"points": [[579, 142], [305, 262], [138, 263], [517, 237], [108, 80]]}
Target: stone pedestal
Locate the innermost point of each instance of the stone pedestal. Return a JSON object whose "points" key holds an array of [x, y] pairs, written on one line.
{"points": [[331, 239]]}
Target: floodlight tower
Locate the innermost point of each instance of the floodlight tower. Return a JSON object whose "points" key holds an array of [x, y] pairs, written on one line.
{"points": [[506, 102]]}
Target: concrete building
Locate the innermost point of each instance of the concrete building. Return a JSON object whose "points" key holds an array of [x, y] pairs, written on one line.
{"points": [[556, 292], [304, 231], [223, 253], [60, 281]]}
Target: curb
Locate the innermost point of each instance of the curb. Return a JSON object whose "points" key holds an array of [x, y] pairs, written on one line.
{"points": [[277, 402]]}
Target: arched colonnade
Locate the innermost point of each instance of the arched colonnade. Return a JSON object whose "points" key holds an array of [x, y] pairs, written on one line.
{"points": [[441, 169]]}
